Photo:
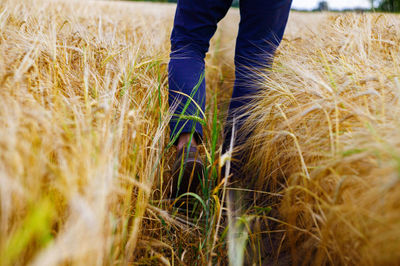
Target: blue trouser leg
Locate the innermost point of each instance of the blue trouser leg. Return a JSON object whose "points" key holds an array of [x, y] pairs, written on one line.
{"points": [[194, 25], [261, 29], [260, 32]]}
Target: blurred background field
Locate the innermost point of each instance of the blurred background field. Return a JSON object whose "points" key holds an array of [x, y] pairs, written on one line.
{"points": [[331, 5], [85, 154]]}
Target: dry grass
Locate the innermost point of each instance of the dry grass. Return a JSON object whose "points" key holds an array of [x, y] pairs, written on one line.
{"points": [[84, 158], [326, 136], [82, 130]]}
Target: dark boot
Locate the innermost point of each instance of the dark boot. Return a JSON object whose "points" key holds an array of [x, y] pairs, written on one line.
{"points": [[187, 172]]}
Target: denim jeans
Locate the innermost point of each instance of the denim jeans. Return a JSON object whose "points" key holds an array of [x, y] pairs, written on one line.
{"points": [[262, 24]]}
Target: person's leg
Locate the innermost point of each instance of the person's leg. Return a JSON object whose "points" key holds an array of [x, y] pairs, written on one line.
{"points": [[194, 25], [260, 32], [261, 29]]}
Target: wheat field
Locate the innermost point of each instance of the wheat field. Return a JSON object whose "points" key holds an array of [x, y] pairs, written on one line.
{"points": [[326, 136], [85, 155]]}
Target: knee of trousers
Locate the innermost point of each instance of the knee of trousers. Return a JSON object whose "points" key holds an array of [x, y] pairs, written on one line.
{"points": [[188, 49]]}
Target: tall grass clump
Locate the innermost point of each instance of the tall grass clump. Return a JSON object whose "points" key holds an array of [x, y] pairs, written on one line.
{"points": [[83, 126], [326, 138]]}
